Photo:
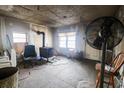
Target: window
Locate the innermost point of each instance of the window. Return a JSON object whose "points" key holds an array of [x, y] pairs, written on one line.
{"points": [[71, 40], [62, 40], [19, 38], [67, 40]]}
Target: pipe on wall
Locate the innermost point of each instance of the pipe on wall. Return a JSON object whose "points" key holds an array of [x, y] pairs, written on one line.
{"points": [[43, 37]]}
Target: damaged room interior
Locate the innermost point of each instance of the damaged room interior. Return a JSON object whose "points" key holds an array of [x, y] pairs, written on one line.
{"points": [[61, 46]]}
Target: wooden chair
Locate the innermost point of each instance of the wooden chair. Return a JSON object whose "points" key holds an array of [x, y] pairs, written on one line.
{"points": [[110, 71]]}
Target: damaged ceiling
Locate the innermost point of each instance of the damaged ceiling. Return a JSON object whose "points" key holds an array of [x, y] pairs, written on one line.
{"points": [[57, 15]]}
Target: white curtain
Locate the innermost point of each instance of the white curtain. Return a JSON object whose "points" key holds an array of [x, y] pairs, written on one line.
{"points": [[30, 38], [13, 58], [3, 33]]}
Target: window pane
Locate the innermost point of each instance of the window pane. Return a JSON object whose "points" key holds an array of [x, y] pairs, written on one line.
{"points": [[62, 34], [17, 40], [62, 43], [71, 44], [71, 38], [62, 38], [17, 37], [67, 40], [71, 33], [62, 46]]}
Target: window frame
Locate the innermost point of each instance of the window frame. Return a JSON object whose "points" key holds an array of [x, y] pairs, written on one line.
{"points": [[16, 38], [66, 35]]}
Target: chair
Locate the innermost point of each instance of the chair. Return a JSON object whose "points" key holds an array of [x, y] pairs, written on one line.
{"points": [[110, 71], [30, 55], [46, 52]]}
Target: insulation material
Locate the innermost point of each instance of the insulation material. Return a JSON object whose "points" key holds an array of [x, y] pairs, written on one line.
{"points": [[92, 53], [13, 58]]}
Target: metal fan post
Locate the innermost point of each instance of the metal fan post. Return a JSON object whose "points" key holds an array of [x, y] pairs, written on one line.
{"points": [[104, 33], [104, 44]]}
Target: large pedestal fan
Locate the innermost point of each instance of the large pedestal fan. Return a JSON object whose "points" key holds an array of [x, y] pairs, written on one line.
{"points": [[104, 33]]}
